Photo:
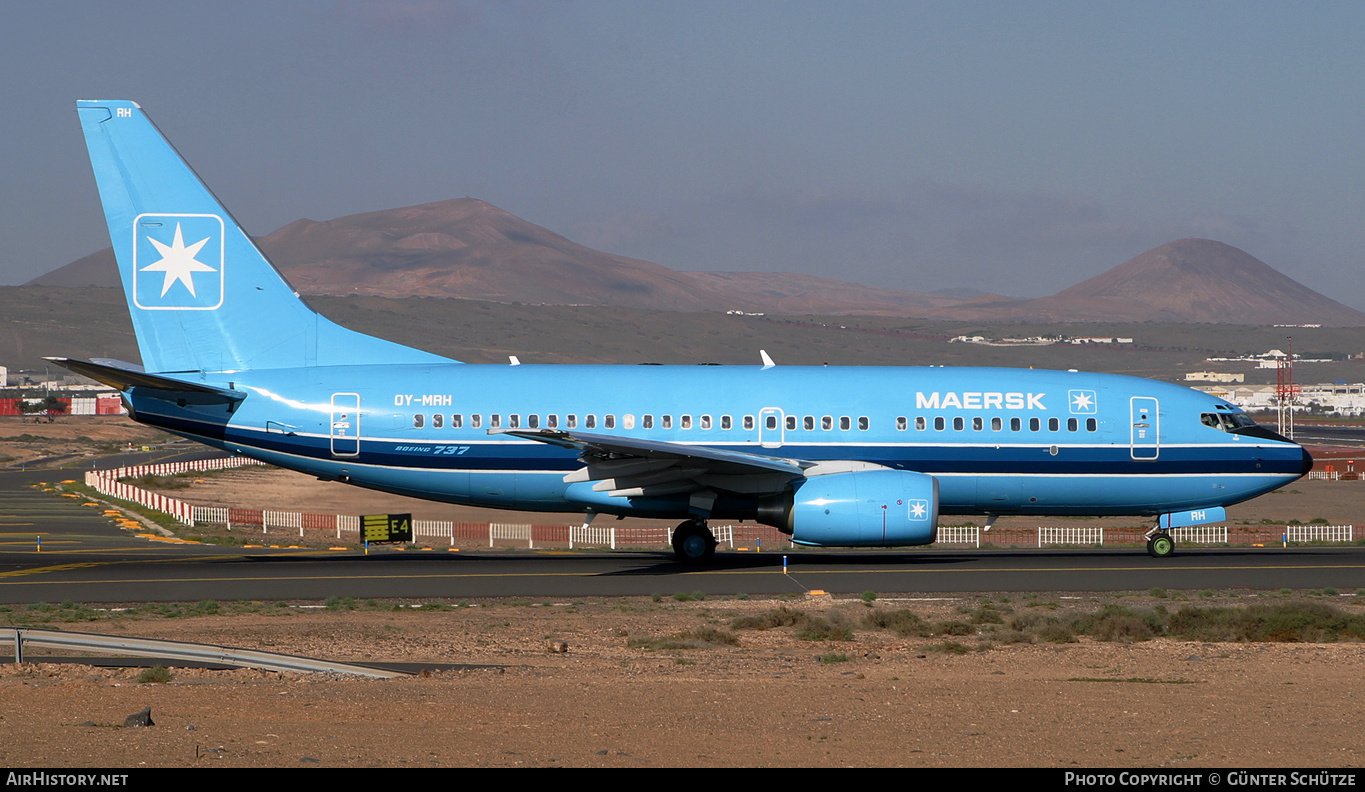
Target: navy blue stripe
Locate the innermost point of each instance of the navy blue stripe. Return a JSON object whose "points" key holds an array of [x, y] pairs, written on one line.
{"points": [[1111, 460]]}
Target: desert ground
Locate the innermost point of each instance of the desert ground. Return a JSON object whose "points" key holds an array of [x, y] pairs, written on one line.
{"points": [[644, 683]]}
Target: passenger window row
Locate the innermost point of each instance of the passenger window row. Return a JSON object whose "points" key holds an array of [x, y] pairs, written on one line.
{"points": [[770, 422], [997, 424], [628, 421]]}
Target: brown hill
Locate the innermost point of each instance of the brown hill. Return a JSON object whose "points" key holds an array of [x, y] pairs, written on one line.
{"points": [[469, 249], [463, 248], [96, 269], [1189, 280]]}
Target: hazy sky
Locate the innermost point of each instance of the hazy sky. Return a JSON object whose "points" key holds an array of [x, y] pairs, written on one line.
{"points": [[1014, 147]]}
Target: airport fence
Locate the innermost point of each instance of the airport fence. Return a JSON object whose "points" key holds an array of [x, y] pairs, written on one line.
{"points": [[109, 482], [347, 526], [1320, 533]]}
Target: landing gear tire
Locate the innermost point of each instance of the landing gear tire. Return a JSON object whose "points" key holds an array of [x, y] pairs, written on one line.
{"points": [[693, 542], [1160, 545]]}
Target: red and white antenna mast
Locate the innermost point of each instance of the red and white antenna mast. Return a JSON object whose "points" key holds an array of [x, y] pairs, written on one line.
{"points": [[1286, 392]]}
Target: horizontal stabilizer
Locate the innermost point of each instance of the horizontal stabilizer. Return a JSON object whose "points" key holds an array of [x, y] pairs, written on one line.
{"points": [[125, 378]]}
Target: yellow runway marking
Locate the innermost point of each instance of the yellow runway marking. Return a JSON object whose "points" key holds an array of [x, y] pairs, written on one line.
{"points": [[47, 570], [86, 564]]}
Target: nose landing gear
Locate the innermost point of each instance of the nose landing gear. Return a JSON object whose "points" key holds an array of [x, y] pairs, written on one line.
{"points": [[1160, 545]]}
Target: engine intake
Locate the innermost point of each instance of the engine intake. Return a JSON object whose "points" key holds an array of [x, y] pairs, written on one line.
{"points": [[865, 508]]}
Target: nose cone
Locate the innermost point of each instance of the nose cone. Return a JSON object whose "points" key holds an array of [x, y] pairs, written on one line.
{"points": [[1307, 462]]}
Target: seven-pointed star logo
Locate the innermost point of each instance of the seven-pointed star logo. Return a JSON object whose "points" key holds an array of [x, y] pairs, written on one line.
{"points": [[919, 509], [178, 262], [1083, 402]]}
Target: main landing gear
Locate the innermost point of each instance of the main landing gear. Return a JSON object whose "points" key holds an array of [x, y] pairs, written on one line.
{"points": [[693, 542], [1160, 544]]}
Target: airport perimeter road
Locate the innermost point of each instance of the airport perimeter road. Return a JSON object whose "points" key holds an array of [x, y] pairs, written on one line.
{"points": [[192, 573]]}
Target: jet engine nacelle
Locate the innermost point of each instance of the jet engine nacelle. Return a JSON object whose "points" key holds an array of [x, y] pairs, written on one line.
{"points": [[864, 508]]}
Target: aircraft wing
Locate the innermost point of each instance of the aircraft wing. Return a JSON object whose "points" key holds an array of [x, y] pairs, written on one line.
{"points": [[630, 467]]}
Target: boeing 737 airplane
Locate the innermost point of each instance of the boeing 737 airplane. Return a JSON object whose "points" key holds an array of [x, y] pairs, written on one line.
{"points": [[833, 456]]}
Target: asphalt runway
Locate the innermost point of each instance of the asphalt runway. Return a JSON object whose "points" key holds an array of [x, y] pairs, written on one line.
{"points": [[83, 558], [1339, 436], [90, 570]]}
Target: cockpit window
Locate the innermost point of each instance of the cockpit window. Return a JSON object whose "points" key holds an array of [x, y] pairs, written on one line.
{"points": [[1227, 422]]}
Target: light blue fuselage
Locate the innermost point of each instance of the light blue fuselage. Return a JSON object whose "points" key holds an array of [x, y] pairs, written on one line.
{"points": [[289, 416]]}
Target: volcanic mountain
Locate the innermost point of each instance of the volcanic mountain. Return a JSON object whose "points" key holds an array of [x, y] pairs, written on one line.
{"points": [[1189, 280], [470, 249], [467, 248]]}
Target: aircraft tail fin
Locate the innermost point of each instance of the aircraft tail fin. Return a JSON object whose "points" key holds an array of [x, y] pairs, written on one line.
{"points": [[201, 295]]}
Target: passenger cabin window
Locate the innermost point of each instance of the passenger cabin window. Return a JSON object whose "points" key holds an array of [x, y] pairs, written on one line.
{"points": [[845, 423], [571, 421], [494, 421], [1091, 424], [533, 421], [552, 421], [417, 421], [646, 422], [827, 422], [809, 423], [863, 423], [706, 422], [1053, 424], [901, 423], [437, 421], [978, 423], [770, 422], [791, 423], [938, 423], [920, 423], [997, 424], [1016, 424], [513, 421], [1034, 424], [609, 421], [590, 422], [958, 424], [1072, 424], [725, 422], [749, 422], [628, 421], [685, 422], [456, 421], [476, 421]]}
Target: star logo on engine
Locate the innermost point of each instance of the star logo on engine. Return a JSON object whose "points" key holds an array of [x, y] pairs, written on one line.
{"points": [[918, 509]]}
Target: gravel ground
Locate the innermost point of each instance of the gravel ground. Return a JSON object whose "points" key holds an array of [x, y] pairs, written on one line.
{"points": [[772, 700]]}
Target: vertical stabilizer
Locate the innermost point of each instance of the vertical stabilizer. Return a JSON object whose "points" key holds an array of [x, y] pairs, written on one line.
{"points": [[202, 297]]}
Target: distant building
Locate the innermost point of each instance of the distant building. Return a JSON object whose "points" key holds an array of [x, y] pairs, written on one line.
{"points": [[1341, 399], [1214, 376]]}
